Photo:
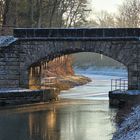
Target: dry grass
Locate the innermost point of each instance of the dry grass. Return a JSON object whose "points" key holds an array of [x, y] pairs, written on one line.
{"points": [[67, 82]]}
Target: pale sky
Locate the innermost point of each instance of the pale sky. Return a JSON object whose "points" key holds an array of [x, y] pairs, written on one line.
{"points": [[109, 5]]}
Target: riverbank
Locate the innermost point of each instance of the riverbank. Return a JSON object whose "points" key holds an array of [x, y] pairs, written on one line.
{"points": [[119, 98], [50, 92], [129, 129], [12, 97], [66, 82]]}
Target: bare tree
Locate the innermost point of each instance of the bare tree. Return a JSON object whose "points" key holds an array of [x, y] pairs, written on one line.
{"points": [[75, 13], [102, 19], [1, 11], [105, 19], [5, 9], [129, 14]]}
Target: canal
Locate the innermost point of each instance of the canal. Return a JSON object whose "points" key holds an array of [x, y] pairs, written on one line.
{"points": [[83, 113]]}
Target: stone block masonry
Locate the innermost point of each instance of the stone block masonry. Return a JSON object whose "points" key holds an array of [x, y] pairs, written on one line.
{"points": [[9, 67], [33, 46], [21, 96]]}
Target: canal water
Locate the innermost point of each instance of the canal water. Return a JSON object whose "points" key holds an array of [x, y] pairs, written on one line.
{"points": [[83, 113]]}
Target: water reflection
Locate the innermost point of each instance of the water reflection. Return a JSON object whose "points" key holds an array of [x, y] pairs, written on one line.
{"points": [[86, 120], [42, 125]]}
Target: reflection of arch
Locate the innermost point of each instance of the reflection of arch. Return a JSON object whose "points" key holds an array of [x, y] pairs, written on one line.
{"points": [[42, 125], [34, 52]]}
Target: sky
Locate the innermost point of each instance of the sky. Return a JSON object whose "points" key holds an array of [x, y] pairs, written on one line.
{"points": [[109, 5]]}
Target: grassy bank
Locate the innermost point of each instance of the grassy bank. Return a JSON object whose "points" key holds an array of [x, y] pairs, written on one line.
{"points": [[67, 82]]}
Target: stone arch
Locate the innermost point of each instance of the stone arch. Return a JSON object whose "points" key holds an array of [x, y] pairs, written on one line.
{"points": [[35, 51]]}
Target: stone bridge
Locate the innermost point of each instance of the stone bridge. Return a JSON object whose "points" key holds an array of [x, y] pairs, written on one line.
{"points": [[29, 47]]}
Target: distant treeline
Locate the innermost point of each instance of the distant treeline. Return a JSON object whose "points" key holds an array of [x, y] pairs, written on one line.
{"points": [[85, 60], [66, 13], [42, 13]]}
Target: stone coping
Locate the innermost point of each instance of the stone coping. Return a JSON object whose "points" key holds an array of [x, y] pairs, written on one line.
{"points": [[128, 92], [76, 32]]}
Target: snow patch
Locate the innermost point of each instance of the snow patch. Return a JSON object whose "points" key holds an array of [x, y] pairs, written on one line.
{"points": [[6, 40], [103, 71], [129, 92], [10, 90], [130, 128]]}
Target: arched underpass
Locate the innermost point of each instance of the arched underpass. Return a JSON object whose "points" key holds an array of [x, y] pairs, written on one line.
{"points": [[85, 63], [36, 52], [36, 45]]}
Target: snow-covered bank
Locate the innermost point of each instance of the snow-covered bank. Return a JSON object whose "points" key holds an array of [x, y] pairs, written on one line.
{"points": [[103, 71], [9, 90], [128, 92], [6, 40], [130, 127]]}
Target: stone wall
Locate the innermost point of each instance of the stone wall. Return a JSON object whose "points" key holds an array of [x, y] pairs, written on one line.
{"points": [[27, 96], [16, 60], [9, 66]]}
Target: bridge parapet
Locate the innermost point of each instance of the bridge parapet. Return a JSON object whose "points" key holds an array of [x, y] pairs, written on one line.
{"points": [[70, 33]]}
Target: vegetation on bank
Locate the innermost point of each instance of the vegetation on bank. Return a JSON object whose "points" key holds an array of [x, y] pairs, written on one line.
{"points": [[60, 83], [67, 82]]}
